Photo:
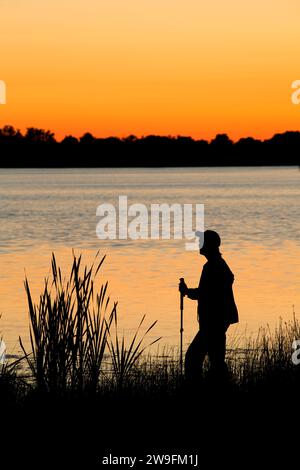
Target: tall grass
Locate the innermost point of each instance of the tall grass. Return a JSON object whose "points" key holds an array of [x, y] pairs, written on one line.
{"points": [[70, 333], [11, 384], [124, 359], [68, 329], [266, 360]]}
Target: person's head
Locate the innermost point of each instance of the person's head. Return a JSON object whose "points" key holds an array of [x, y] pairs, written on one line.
{"points": [[211, 243]]}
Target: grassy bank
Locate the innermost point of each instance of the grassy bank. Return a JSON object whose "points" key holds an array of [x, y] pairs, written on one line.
{"points": [[99, 391]]}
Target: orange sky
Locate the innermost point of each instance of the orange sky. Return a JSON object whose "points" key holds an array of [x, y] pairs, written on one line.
{"points": [[116, 67]]}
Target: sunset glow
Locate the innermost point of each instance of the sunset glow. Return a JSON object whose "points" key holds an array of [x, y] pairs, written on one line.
{"points": [[165, 67]]}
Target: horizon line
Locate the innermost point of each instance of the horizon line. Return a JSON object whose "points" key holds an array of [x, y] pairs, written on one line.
{"points": [[134, 137]]}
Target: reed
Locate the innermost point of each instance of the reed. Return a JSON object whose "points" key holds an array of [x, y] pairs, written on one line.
{"points": [[68, 329], [266, 360], [73, 328], [125, 359]]}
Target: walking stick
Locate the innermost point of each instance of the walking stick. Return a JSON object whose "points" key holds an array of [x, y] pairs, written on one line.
{"points": [[181, 328]]}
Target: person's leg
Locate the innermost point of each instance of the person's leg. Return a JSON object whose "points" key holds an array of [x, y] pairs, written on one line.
{"points": [[194, 358], [217, 352]]}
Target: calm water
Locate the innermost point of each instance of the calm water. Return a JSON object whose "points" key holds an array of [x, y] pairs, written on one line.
{"points": [[256, 211]]}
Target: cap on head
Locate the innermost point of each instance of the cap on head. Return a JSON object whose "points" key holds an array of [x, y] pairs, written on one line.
{"points": [[210, 239]]}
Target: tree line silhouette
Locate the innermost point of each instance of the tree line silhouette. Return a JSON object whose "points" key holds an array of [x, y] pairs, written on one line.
{"points": [[39, 148]]}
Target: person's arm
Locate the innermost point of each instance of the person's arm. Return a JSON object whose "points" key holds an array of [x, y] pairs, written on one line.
{"points": [[190, 293], [193, 293]]}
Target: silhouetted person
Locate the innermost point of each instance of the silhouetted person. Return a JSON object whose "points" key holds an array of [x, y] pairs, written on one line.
{"points": [[216, 311]]}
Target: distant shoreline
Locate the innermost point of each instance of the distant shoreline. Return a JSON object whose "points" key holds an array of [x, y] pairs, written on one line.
{"points": [[39, 149]]}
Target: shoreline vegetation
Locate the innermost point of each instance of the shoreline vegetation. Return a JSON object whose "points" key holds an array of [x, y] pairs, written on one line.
{"points": [[139, 403], [38, 148]]}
